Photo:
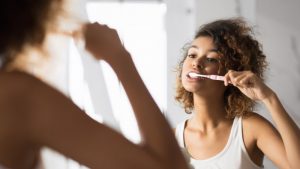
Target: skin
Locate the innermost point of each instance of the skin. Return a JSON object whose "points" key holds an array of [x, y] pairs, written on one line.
{"points": [[34, 115], [207, 132]]}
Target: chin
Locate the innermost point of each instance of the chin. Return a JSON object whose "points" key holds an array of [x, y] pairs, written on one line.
{"points": [[191, 89]]}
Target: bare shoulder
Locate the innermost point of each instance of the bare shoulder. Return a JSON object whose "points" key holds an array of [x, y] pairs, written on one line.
{"points": [[255, 125], [23, 94], [37, 105], [23, 84], [16, 81], [255, 119], [16, 90]]}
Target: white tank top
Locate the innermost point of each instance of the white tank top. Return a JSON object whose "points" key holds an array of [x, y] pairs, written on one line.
{"points": [[233, 155]]}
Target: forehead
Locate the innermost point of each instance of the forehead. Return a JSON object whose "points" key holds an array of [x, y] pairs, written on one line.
{"points": [[203, 43]]}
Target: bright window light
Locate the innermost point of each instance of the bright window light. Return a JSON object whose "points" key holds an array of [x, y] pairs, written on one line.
{"points": [[141, 27]]}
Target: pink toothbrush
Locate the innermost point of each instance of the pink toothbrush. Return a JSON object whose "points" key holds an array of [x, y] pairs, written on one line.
{"points": [[213, 77]]}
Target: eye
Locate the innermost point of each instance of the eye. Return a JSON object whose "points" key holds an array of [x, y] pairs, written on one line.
{"points": [[192, 55], [212, 60]]}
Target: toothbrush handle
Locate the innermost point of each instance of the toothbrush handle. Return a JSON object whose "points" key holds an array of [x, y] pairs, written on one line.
{"points": [[216, 77]]}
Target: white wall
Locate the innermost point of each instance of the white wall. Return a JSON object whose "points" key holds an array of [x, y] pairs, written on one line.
{"points": [[180, 25], [281, 44]]}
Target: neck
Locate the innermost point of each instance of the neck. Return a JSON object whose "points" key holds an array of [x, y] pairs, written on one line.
{"points": [[209, 112]]}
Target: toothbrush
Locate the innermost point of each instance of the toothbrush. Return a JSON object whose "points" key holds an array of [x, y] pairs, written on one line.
{"points": [[213, 77]]}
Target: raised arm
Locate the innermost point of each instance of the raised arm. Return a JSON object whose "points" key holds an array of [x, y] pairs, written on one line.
{"points": [[59, 124], [157, 135], [282, 148], [287, 128]]}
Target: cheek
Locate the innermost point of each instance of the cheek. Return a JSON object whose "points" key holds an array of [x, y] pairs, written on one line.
{"points": [[182, 76], [222, 70], [212, 70], [184, 67], [183, 73], [218, 70]]}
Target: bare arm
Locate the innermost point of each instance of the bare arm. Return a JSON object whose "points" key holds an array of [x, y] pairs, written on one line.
{"points": [[59, 124], [287, 128], [282, 146], [157, 135]]}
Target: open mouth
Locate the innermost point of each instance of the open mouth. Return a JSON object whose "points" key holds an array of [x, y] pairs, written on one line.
{"points": [[193, 77]]}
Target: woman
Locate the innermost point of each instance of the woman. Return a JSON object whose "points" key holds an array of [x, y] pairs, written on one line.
{"points": [[224, 132], [34, 115]]}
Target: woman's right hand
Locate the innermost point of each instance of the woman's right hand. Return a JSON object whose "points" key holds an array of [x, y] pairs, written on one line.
{"points": [[102, 41], [249, 84]]}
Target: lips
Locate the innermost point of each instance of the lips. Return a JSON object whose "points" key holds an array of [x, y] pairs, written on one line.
{"points": [[189, 78]]}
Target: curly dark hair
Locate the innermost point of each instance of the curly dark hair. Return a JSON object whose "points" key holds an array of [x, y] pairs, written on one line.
{"points": [[235, 41], [25, 23]]}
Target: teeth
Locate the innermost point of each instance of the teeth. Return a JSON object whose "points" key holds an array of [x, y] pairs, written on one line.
{"points": [[192, 74], [192, 77]]}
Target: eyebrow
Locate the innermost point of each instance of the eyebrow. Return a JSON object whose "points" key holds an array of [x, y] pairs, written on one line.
{"points": [[211, 50]]}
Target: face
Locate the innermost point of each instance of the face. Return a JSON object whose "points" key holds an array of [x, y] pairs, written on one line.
{"points": [[202, 57]]}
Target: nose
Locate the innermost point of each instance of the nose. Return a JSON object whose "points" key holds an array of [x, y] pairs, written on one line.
{"points": [[197, 64]]}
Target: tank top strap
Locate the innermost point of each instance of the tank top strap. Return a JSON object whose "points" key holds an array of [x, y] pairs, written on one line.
{"points": [[235, 129], [240, 132], [179, 133]]}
